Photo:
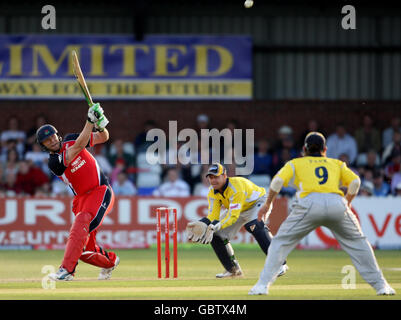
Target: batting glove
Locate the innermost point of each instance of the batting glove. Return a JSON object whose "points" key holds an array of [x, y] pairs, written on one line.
{"points": [[102, 123], [95, 113]]}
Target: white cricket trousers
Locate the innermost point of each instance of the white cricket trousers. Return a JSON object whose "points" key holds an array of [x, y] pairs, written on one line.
{"points": [[329, 210]]}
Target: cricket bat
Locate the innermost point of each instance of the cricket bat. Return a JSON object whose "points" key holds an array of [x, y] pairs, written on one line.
{"points": [[80, 77]]}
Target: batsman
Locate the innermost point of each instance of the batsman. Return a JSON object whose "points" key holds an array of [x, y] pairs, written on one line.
{"points": [[94, 198], [234, 202]]}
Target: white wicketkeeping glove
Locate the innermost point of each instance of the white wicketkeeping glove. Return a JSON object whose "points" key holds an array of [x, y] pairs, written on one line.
{"points": [[196, 230], [211, 229]]}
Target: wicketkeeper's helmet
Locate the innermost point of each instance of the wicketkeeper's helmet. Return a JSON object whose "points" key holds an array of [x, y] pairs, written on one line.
{"points": [[45, 132], [216, 169]]}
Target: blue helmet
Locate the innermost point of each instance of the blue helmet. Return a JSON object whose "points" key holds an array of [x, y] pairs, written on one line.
{"points": [[45, 132]]}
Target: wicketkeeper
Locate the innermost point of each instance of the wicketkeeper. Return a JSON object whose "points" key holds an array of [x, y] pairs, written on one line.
{"points": [[319, 202], [233, 202], [94, 198]]}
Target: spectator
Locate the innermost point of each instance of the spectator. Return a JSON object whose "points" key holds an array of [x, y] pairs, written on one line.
{"points": [[395, 145], [367, 137], [395, 181], [284, 154], [201, 189], [284, 132], [367, 176], [371, 161], [341, 142], [59, 188], [398, 190], [39, 158], [118, 167], [395, 126], [31, 134], [30, 178], [381, 188], [312, 126], [174, 186], [122, 186], [366, 189], [98, 152], [263, 159], [12, 162], [140, 142], [118, 153], [15, 134], [10, 144], [394, 166], [344, 158], [9, 187]]}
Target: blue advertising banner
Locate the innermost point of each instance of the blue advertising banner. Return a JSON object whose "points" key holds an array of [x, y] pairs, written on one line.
{"points": [[118, 67]]}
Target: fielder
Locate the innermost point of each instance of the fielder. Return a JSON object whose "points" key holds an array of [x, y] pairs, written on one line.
{"points": [[233, 202], [94, 198], [319, 202]]}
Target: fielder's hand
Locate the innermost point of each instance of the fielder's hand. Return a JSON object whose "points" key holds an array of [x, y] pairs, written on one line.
{"points": [[211, 229], [264, 213], [95, 113]]}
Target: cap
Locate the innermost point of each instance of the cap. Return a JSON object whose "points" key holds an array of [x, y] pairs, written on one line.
{"points": [[368, 186], [315, 142], [285, 130], [216, 169]]}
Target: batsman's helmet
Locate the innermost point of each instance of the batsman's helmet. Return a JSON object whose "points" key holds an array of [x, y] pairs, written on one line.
{"points": [[315, 143], [45, 132], [216, 169]]}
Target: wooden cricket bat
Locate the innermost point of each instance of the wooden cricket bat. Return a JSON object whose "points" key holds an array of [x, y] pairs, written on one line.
{"points": [[80, 77]]}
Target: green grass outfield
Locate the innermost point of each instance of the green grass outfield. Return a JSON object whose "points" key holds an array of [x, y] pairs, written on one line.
{"points": [[312, 275]]}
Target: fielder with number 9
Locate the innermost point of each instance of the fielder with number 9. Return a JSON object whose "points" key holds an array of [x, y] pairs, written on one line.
{"points": [[319, 202], [94, 198], [234, 202]]}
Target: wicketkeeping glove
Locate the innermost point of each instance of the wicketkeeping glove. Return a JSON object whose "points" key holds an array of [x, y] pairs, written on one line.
{"points": [[196, 230], [95, 113], [211, 229]]}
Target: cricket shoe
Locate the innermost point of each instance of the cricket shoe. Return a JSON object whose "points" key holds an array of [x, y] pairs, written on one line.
{"points": [[234, 272], [386, 291], [258, 289], [283, 270], [61, 275], [105, 274]]}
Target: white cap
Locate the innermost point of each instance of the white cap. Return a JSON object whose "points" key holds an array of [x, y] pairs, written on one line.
{"points": [[285, 130], [368, 186]]}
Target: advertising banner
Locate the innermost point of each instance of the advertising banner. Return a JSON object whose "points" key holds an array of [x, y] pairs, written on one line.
{"points": [[118, 67], [45, 222]]}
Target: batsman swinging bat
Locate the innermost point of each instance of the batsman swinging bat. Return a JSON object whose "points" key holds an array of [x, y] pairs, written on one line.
{"points": [[80, 77]]}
